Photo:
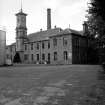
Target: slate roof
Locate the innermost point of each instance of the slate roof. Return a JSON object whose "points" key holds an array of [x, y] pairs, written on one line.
{"points": [[69, 31], [21, 13], [44, 35]]}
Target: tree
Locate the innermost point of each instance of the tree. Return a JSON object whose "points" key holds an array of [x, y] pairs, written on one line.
{"points": [[96, 18]]}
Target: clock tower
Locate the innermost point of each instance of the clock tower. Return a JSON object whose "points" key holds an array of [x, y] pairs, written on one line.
{"points": [[21, 33]]}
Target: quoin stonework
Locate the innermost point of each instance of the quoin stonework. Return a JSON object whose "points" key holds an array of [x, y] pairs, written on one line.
{"points": [[51, 46]]}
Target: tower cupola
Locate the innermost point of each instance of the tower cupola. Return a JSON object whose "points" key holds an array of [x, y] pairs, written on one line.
{"points": [[21, 30]]}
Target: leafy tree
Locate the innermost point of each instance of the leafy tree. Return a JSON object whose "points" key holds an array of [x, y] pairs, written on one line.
{"points": [[96, 18]]}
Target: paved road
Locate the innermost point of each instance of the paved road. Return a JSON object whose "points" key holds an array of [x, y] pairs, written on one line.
{"points": [[52, 85]]}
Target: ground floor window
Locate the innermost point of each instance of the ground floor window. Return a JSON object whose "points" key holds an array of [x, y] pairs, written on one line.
{"points": [[37, 57], [55, 56], [32, 57], [26, 57], [43, 56], [48, 58], [65, 54]]}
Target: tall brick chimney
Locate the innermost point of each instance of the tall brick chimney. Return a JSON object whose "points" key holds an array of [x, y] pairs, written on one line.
{"points": [[48, 18]]}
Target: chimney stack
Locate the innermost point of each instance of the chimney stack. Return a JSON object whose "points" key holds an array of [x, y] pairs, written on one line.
{"points": [[85, 28], [48, 18]]}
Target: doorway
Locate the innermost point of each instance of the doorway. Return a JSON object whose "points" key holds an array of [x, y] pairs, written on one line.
{"points": [[17, 58]]}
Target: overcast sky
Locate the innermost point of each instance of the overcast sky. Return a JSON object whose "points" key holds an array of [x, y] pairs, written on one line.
{"points": [[63, 12]]}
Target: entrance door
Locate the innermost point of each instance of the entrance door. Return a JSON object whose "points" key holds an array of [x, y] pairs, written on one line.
{"points": [[17, 58]]}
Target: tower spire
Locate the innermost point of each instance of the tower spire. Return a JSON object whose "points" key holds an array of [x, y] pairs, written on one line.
{"points": [[21, 7]]}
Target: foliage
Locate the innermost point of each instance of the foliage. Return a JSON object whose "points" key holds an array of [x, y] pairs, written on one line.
{"points": [[96, 17]]}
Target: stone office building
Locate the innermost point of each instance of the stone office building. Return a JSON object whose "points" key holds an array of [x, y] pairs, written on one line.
{"points": [[51, 46]]}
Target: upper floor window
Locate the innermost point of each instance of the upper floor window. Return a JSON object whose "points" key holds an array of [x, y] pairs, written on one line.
{"points": [[48, 44], [65, 54], [37, 46], [64, 41], [55, 42], [43, 45], [76, 41], [25, 47], [55, 56], [31, 46]]}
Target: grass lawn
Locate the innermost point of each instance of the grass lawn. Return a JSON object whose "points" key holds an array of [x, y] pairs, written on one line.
{"points": [[52, 85]]}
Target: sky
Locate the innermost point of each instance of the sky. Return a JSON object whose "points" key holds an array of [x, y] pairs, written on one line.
{"points": [[64, 14]]}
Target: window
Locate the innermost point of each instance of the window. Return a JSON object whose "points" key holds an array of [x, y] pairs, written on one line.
{"points": [[37, 46], [32, 57], [31, 46], [43, 56], [55, 56], [42, 45], [76, 42], [26, 57], [48, 44], [55, 42], [25, 47], [48, 56], [7, 56], [65, 55], [10, 49], [64, 41], [37, 57]]}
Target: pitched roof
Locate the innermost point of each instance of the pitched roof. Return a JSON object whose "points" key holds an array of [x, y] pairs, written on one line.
{"points": [[69, 31], [43, 35], [21, 13]]}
